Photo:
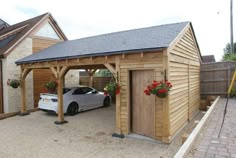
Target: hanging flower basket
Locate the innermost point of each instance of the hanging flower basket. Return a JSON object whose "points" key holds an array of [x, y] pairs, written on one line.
{"points": [[112, 88], [51, 86], [160, 89], [13, 83]]}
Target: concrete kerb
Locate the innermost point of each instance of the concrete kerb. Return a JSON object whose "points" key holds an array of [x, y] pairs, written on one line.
{"points": [[184, 149]]}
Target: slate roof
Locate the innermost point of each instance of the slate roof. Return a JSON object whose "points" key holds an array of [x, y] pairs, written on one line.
{"points": [[3, 24], [156, 37], [208, 58], [18, 32]]}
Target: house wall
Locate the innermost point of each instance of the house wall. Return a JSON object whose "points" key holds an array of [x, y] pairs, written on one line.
{"points": [[1, 89], [72, 78], [150, 61], [184, 74], [12, 97], [42, 76]]}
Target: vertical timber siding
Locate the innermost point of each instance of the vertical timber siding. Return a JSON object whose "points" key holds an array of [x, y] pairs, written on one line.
{"points": [[184, 73], [149, 61], [41, 76]]}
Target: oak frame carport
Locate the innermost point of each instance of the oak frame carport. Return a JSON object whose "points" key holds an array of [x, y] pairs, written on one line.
{"points": [[60, 68], [136, 58]]}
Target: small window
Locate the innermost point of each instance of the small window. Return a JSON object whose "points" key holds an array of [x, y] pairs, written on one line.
{"points": [[65, 90], [47, 31], [86, 90], [78, 91]]}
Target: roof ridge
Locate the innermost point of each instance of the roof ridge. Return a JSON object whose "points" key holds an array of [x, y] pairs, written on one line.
{"points": [[19, 24], [13, 31], [123, 31], [129, 41], [29, 24]]}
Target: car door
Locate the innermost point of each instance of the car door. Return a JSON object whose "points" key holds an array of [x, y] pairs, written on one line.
{"points": [[92, 97], [79, 97]]}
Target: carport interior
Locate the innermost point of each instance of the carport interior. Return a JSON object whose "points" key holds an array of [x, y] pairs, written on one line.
{"points": [[132, 70], [60, 68]]}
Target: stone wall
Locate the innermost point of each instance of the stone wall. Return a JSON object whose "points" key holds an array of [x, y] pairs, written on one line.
{"points": [[72, 78], [12, 97]]}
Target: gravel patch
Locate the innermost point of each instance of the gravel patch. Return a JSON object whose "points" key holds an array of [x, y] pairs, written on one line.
{"points": [[87, 135]]}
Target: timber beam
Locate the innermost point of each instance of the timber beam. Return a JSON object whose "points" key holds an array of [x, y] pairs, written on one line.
{"points": [[24, 73], [91, 73], [110, 68], [59, 72]]}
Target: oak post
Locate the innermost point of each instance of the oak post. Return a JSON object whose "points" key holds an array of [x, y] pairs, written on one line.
{"points": [[60, 79], [23, 97], [166, 112], [24, 73], [60, 112], [118, 113]]}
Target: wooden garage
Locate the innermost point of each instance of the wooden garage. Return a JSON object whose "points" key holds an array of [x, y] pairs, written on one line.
{"points": [[136, 58]]}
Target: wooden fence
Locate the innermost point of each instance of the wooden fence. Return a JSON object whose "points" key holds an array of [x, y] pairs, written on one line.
{"points": [[98, 82], [216, 77]]}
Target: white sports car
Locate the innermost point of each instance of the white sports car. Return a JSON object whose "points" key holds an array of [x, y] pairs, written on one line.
{"points": [[75, 99]]}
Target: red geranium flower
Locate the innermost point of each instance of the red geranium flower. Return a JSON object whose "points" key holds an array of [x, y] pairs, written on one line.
{"points": [[158, 88]]}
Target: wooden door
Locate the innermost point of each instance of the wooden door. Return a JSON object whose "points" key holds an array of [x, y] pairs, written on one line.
{"points": [[142, 106], [1, 89]]}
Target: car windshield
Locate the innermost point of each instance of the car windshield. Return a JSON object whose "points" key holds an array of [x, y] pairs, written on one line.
{"points": [[65, 90]]}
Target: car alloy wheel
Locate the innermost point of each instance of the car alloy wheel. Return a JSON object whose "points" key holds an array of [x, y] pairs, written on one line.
{"points": [[107, 102], [73, 109]]}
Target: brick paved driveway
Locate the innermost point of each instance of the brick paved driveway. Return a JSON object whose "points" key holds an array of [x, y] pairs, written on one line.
{"points": [[214, 142]]}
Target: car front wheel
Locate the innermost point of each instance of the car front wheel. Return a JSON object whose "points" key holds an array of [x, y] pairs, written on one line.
{"points": [[73, 109], [107, 102]]}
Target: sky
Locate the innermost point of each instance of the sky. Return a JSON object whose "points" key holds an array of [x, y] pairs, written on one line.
{"points": [[80, 18]]}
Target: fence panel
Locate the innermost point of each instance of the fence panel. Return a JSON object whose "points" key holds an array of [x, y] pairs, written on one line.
{"points": [[98, 82], [216, 77]]}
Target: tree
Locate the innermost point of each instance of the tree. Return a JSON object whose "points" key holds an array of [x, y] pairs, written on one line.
{"points": [[227, 49], [227, 53]]}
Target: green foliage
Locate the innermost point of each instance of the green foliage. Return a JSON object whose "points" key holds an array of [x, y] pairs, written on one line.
{"points": [[227, 49], [227, 53], [112, 88], [103, 73], [229, 57], [13, 83], [233, 93], [51, 85]]}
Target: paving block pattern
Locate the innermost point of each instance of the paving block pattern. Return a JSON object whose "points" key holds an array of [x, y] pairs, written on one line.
{"points": [[213, 141]]}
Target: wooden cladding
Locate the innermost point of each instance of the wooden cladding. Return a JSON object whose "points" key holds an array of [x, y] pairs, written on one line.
{"points": [[128, 65], [184, 74], [41, 76], [40, 43], [1, 89], [180, 64]]}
